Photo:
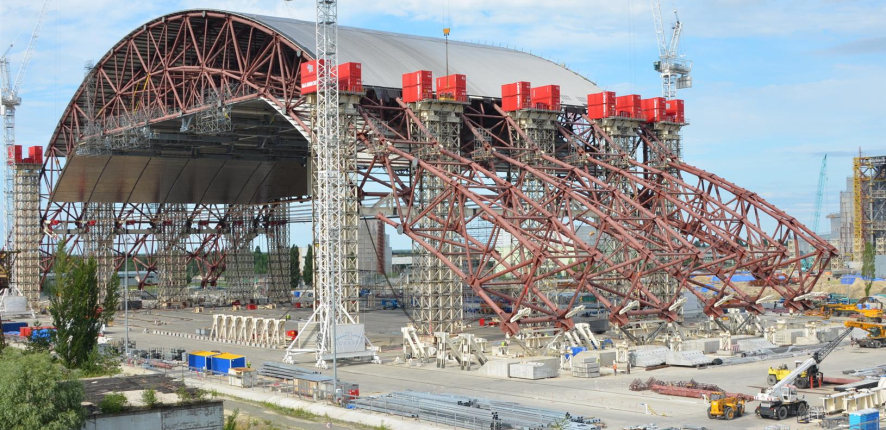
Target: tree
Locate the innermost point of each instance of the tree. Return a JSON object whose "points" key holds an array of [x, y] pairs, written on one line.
{"points": [[308, 273], [260, 261], [868, 271], [77, 313], [36, 393], [294, 267]]}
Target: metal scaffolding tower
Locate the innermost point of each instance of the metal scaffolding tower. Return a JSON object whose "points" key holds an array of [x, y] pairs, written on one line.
{"points": [[349, 122], [869, 186], [98, 241], [278, 253], [439, 292], [173, 259], [332, 217], [239, 260], [26, 265]]}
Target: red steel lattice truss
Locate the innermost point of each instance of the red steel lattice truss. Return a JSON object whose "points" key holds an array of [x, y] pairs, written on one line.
{"points": [[657, 222]]}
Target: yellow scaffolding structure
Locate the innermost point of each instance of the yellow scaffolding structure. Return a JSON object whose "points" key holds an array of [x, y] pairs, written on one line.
{"points": [[857, 230]]}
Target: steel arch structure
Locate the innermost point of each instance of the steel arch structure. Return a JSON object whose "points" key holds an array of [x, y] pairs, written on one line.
{"points": [[655, 222]]}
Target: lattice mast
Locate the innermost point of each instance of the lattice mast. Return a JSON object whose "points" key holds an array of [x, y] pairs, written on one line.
{"points": [[329, 203], [9, 100]]}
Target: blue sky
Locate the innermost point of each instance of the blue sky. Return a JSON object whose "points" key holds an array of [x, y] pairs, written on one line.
{"points": [[777, 84]]}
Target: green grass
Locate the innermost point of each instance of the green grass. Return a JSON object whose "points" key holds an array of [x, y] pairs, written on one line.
{"points": [[295, 413]]}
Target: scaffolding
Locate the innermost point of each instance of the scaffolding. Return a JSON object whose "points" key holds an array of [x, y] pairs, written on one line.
{"points": [[26, 230], [98, 241], [173, 260], [439, 304], [278, 284], [349, 122], [869, 187], [239, 260], [540, 127]]}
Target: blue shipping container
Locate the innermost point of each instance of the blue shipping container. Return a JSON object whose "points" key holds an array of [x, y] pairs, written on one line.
{"points": [[200, 360], [221, 363], [865, 419]]}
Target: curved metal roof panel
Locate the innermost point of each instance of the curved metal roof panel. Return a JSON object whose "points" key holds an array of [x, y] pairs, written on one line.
{"points": [[387, 56]]}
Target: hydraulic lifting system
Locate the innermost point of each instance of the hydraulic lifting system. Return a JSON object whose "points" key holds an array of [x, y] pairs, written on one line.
{"points": [[876, 333], [780, 401]]}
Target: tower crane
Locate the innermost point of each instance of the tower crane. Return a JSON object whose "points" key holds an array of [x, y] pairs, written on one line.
{"points": [[822, 179], [675, 71], [9, 100], [806, 264]]}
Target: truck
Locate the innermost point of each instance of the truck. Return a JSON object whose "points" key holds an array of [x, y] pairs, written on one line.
{"points": [[780, 400], [876, 333]]}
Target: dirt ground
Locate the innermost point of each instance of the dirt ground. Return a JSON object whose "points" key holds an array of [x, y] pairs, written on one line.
{"points": [[825, 284]]}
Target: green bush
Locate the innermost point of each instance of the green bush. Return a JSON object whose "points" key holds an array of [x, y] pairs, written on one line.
{"points": [[27, 380], [111, 403], [149, 397]]}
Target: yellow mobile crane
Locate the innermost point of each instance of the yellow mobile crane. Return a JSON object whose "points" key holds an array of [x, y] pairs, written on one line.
{"points": [[876, 333]]}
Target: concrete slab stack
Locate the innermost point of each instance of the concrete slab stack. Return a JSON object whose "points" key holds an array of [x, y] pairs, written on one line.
{"points": [[587, 367], [755, 344], [531, 371], [706, 346], [647, 357], [788, 336], [689, 358], [605, 358]]}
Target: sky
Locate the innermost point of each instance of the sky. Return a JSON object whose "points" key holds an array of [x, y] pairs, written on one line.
{"points": [[777, 84]]}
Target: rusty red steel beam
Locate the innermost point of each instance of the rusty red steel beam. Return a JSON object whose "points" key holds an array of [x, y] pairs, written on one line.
{"points": [[646, 170], [170, 64]]}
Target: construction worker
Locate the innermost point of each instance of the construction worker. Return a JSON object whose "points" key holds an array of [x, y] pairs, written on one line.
{"points": [[614, 368], [249, 365]]}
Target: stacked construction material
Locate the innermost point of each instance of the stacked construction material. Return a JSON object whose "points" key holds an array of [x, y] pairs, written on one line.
{"points": [[629, 106], [532, 371], [453, 88], [418, 86], [675, 111], [546, 97], [601, 105], [350, 77], [470, 412], [585, 367], [515, 96], [283, 371], [865, 419], [653, 109]]}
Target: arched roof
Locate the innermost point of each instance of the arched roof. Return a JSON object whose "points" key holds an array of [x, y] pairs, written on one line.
{"points": [[386, 56]]}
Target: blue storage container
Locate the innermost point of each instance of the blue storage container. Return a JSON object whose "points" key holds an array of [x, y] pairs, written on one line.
{"points": [[12, 326], [865, 419], [201, 360], [221, 363]]}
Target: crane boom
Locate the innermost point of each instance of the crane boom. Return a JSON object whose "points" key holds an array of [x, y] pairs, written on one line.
{"points": [[659, 28], [815, 360], [822, 178], [30, 50]]}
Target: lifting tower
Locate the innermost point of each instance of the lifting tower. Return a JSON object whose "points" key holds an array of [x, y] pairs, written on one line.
{"points": [[440, 299]]}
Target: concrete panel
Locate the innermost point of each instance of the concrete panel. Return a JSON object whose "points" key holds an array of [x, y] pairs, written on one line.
{"points": [[203, 416]]}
